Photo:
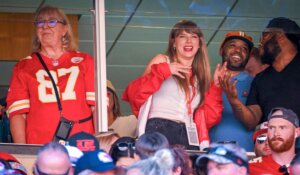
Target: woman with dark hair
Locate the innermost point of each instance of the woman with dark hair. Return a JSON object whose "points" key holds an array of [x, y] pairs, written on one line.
{"points": [[175, 94], [122, 151]]}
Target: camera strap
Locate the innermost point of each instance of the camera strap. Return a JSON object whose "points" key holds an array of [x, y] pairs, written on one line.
{"points": [[53, 83], [57, 95]]}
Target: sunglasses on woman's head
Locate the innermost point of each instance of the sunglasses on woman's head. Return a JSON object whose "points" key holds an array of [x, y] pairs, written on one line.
{"points": [[124, 146]]}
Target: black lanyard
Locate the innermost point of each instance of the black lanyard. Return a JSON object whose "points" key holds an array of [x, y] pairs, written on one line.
{"points": [[53, 82]]}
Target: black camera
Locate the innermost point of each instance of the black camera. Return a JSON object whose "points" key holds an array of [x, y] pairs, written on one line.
{"points": [[63, 130]]}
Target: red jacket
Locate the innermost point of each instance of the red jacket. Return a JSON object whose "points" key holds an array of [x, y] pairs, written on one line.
{"points": [[206, 116]]}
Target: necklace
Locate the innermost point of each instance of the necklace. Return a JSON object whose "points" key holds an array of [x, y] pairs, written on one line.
{"points": [[55, 62]]}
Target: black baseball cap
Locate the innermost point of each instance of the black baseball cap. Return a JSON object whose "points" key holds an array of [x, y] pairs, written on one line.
{"points": [[287, 114], [287, 25]]}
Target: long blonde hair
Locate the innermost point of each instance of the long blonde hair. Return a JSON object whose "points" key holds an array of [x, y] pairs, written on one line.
{"points": [[200, 65], [68, 42]]}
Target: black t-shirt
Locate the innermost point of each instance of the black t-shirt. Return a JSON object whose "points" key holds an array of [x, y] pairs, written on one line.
{"points": [[271, 89]]}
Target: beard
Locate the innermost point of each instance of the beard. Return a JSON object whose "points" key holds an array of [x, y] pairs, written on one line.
{"points": [[284, 146], [230, 64], [270, 51]]}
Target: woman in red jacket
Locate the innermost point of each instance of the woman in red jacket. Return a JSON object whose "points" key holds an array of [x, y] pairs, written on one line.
{"points": [[174, 96]]}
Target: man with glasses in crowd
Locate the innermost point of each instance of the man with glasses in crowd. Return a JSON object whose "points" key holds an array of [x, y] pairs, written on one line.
{"points": [[53, 158], [278, 85], [282, 133], [261, 146], [235, 50]]}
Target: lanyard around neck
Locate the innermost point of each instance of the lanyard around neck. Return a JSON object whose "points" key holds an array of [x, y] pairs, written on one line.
{"points": [[52, 80]]}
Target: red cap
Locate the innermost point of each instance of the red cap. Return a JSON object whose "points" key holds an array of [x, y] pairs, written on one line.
{"points": [[260, 129]]}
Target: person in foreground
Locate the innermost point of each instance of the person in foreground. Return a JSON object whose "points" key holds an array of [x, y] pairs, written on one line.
{"points": [[283, 129], [96, 162], [161, 163], [32, 101], [223, 159], [53, 158], [175, 94]]}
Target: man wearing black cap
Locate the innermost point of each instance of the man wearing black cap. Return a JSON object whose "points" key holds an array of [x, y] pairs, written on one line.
{"points": [[278, 85], [283, 130], [235, 50]]}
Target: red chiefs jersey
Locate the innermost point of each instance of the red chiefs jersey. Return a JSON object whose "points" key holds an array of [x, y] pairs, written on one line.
{"points": [[265, 165], [31, 92]]}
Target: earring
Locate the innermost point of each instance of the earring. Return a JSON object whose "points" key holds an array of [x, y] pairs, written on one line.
{"points": [[174, 48], [63, 39]]}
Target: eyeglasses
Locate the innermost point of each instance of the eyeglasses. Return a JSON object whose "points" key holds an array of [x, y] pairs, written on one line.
{"points": [[50, 23], [39, 172], [284, 169], [123, 146], [261, 139]]}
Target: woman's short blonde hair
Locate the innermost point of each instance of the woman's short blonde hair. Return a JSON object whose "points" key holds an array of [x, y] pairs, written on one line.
{"points": [[68, 42]]}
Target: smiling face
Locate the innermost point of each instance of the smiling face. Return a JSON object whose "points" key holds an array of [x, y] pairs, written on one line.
{"points": [[51, 36], [236, 53], [51, 25], [186, 46]]}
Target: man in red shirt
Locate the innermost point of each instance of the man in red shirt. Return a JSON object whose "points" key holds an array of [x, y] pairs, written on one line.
{"points": [[282, 133]]}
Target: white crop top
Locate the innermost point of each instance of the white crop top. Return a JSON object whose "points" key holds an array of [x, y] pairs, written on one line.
{"points": [[169, 102]]}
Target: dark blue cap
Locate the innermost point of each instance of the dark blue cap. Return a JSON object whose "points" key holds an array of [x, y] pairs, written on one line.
{"points": [[97, 161]]}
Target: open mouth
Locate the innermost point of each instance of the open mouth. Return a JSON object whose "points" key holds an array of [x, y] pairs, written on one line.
{"points": [[236, 58], [188, 48]]}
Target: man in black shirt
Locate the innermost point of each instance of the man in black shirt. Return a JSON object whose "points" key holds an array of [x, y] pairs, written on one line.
{"points": [[279, 84]]}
